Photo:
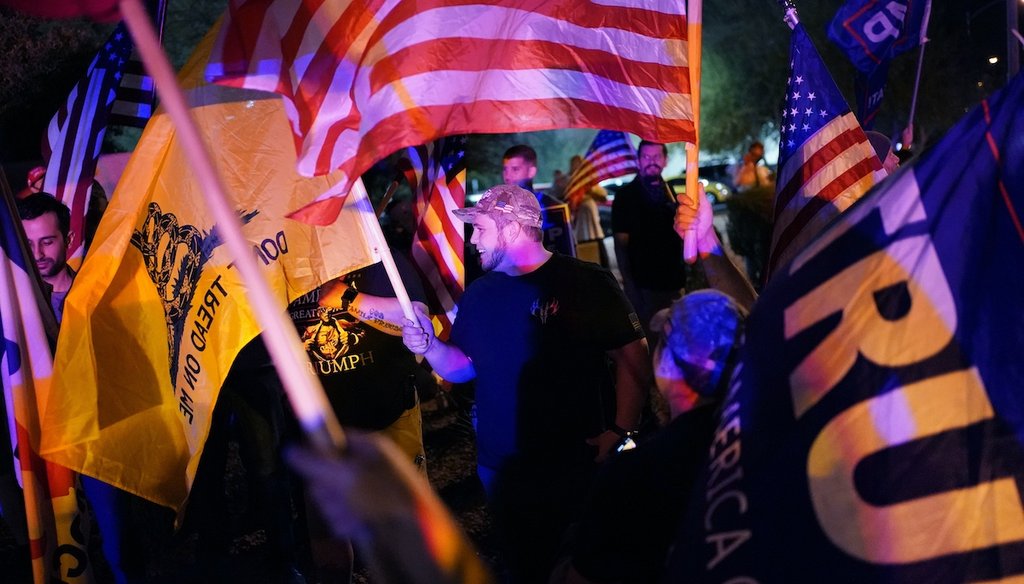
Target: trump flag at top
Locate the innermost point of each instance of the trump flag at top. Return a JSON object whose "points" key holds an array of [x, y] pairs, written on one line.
{"points": [[158, 313], [362, 80], [871, 34], [874, 431]]}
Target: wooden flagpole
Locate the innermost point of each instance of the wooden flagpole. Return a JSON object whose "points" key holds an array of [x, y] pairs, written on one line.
{"points": [[375, 237], [303, 388], [694, 10]]}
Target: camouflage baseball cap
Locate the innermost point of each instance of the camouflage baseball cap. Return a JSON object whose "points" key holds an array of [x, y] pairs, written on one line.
{"points": [[517, 201]]}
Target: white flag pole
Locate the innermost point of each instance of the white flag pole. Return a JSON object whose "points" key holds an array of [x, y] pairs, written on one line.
{"points": [[375, 237], [303, 388]]}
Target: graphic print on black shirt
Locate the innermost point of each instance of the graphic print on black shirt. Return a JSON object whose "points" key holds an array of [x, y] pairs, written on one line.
{"points": [[367, 374], [329, 341]]}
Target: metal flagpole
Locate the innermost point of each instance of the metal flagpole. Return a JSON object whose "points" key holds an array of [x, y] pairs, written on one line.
{"points": [[383, 203], [303, 388], [920, 64], [1012, 52]]}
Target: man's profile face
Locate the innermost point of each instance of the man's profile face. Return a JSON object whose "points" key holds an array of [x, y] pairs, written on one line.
{"points": [[489, 241], [891, 162], [652, 160], [49, 247], [757, 153], [517, 171]]}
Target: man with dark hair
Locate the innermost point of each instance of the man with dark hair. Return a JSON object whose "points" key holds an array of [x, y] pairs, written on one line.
{"points": [[47, 224], [537, 332], [648, 252], [351, 330], [519, 167]]}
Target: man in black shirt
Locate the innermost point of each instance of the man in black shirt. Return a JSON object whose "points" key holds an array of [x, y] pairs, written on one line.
{"points": [[536, 333], [648, 251], [369, 376]]}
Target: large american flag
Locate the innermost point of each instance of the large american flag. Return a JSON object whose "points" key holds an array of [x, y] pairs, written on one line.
{"points": [[75, 134], [437, 174], [610, 155], [362, 80], [825, 160]]}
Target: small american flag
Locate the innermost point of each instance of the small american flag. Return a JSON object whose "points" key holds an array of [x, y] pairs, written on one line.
{"points": [[610, 155], [437, 175], [136, 96], [75, 134], [825, 160], [362, 80]]}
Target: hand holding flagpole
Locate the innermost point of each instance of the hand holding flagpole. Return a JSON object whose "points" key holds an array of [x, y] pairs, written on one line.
{"points": [[375, 237], [693, 38]]}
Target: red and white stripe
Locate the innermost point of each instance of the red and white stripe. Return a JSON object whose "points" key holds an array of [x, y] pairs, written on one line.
{"points": [[363, 82], [439, 246], [75, 135], [833, 169], [74, 138]]}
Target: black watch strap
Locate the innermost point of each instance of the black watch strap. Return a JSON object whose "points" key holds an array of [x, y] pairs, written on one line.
{"points": [[348, 297], [622, 432]]}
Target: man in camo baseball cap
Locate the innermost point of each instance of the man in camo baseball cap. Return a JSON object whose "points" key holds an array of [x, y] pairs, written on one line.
{"points": [[505, 200]]}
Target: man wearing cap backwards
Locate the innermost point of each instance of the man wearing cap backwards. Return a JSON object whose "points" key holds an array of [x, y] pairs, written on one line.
{"points": [[536, 332]]}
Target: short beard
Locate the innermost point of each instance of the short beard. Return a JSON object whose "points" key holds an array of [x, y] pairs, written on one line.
{"points": [[55, 269], [658, 168], [497, 255]]}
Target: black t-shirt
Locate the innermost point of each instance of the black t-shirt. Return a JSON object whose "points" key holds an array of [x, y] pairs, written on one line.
{"points": [[366, 373], [638, 500], [538, 343], [655, 250]]}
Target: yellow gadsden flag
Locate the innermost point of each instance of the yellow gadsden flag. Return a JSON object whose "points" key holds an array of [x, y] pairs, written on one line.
{"points": [[158, 312]]}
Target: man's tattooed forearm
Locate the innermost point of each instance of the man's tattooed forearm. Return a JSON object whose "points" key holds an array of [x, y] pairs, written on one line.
{"points": [[376, 317]]}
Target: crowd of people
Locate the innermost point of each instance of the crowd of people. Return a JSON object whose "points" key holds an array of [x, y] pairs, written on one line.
{"points": [[564, 361]]}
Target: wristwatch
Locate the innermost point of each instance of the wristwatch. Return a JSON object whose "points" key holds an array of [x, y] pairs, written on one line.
{"points": [[348, 297], [626, 441], [622, 432]]}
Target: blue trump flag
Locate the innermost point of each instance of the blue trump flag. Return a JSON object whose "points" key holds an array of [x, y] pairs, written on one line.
{"points": [[871, 33], [874, 429]]}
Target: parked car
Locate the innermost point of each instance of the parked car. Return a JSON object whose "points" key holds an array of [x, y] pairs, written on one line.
{"points": [[717, 181]]}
